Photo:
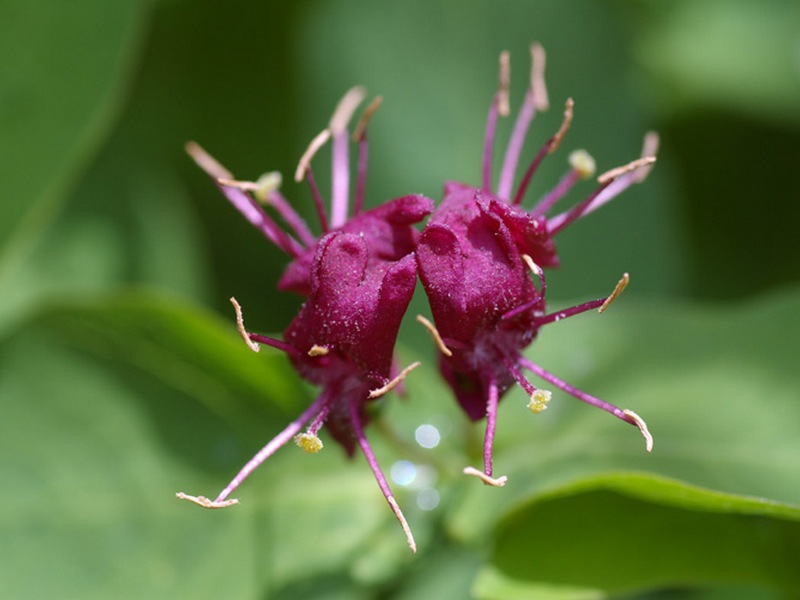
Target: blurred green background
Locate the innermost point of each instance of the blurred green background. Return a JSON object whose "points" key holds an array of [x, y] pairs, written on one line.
{"points": [[122, 380]]}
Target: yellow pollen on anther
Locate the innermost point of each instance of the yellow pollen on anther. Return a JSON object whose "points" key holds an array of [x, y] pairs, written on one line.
{"points": [[582, 163], [318, 350], [266, 184], [308, 442], [539, 401]]}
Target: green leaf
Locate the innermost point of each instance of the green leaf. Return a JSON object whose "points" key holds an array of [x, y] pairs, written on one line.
{"points": [[66, 67], [625, 532], [738, 55], [61, 89]]}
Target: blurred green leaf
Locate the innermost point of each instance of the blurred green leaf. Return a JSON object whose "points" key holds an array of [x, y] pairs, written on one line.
{"points": [[739, 55], [627, 532], [61, 81]]}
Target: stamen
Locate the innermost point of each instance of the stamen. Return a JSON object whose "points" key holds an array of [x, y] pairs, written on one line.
{"points": [[582, 163], [360, 136], [361, 127], [437, 339], [206, 502], [639, 422], [493, 397], [308, 442], [272, 446], [539, 401], [318, 142], [318, 204], [207, 162], [549, 146], [487, 479], [618, 172], [377, 393], [355, 421], [538, 398], [626, 415], [618, 289], [649, 148], [316, 350], [613, 188], [535, 98], [253, 339], [340, 161], [540, 100], [240, 326], [267, 183], [499, 106], [345, 109], [555, 141]]}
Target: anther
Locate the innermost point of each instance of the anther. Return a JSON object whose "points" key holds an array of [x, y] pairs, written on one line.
{"points": [[308, 442], [207, 162], [317, 143], [240, 326], [345, 109], [361, 126], [377, 393], [540, 100], [539, 401], [639, 422], [536, 269], [206, 502], [582, 163], [316, 350], [618, 289], [555, 141], [437, 339], [649, 149], [613, 174], [487, 479], [504, 83], [261, 189]]}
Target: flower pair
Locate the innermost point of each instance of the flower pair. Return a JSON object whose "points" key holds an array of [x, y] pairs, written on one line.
{"points": [[480, 260]]}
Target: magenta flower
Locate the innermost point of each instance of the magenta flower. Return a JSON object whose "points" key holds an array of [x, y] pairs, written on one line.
{"points": [[358, 278], [476, 257]]}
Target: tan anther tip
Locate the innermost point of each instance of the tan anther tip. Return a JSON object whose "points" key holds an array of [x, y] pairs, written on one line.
{"points": [[639, 422], [206, 502], [437, 339], [240, 326], [618, 289], [487, 479]]}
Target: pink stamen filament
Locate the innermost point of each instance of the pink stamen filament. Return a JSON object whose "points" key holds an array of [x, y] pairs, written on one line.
{"points": [[355, 421], [515, 144], [291, 218], [251, 211], [340, 178], [519, 377], [319, 420], [526, 179], [318, 203], [568, 312], [575, 392], [491, 425], [488, 144], [549, 200], [560, 221], [273, 445], [278, 344], [361, 182]]}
